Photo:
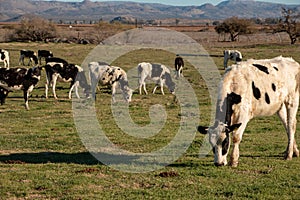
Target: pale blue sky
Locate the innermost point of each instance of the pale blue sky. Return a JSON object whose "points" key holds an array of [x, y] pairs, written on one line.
{"points": [[193, 2]]}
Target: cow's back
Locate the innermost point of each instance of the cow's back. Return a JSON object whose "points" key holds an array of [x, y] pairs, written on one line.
{"points": [[263, 85]]}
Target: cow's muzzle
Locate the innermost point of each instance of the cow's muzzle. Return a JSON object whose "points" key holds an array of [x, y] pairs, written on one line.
{"points": [[219, 164]]}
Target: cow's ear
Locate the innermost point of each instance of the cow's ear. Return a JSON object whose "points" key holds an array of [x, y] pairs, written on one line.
{"points": [[234, 127], [202, 129]]}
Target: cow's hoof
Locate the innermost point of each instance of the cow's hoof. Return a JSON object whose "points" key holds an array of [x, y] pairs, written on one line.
{"points": [[288, 157], [233, 164]]}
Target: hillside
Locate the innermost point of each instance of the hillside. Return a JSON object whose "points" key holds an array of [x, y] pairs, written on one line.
{"points": [[12, 10]]}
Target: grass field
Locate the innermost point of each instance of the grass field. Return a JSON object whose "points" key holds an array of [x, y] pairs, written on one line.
{"points": [[42, 155]]}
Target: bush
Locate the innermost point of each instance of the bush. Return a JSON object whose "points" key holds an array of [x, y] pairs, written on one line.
{"points": [[234, 27], [34, 29]]}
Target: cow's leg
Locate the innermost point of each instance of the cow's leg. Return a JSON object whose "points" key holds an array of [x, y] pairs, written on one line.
{"points": [[54, 80], [6, 64], [26, 95], [113, 91], [291, 123], [155, 88], [162, 87], [225, 62], [26, 92], [48, 77], [236, 139], [181, 72], [21, 60], [74, 86], [94, 84], [140, 88], [282, 113], [144, 87], [30, 61]]}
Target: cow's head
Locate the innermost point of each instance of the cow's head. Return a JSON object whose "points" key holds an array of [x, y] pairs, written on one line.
{"points": [[127, 94], [81, 78], [219, 140], [169, 82], [34, 73], [3, 93], [35, 59]]}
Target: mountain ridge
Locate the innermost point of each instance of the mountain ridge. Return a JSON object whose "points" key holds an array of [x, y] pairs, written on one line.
{"points": [[88, 10]]}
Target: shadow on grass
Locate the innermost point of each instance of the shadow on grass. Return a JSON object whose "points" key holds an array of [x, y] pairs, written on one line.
{"points": [[83, 158], [49, 157]]}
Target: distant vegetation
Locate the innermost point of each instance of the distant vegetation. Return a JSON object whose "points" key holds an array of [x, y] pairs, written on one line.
{"points": [[33, 28]]}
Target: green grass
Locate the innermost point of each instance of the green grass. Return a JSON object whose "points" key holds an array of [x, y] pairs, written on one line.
{"points": [[42, 155]]}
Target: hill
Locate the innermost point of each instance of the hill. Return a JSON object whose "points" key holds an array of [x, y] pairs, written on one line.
{"points": [[13, 10]]}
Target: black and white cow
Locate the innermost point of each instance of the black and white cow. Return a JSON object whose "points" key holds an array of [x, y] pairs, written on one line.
{"points": [[101, 72], [65, 72], [31, 55], [233, 55], [179, 64], [4, 57], [19, 79], [250, 89], [155, 72], [44, 54]]}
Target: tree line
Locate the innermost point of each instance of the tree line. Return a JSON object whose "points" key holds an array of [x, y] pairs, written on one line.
{"points": [[289, 22], [39, 29]]}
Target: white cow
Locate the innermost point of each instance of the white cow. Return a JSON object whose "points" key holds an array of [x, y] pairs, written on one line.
{"points": [[105, 74], [156, 72], [233, 55], [249, 89], [4, 57]]}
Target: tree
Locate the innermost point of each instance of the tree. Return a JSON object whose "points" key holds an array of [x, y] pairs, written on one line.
{"points": [[289, 23], [234, 26], [34, 28]]}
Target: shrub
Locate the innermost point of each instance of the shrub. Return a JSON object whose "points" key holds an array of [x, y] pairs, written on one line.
{"points": [[34, 28]]}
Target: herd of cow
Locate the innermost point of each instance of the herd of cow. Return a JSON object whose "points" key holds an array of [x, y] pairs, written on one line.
{"points": [[248, 89], [58, 69]]}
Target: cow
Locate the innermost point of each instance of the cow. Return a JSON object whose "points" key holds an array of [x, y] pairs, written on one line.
{"points": [[179, 64], [249, 89], [103, 73], [19, 79], [44, 54], [65, 72], [155, 72], [233, 55], [4, 57], [31, 55]]}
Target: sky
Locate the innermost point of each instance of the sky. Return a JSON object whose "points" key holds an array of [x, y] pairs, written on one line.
{"points": [[192, 2]]}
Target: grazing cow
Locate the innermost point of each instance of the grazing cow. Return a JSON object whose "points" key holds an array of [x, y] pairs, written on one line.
{"points": [[60, 71], [31, 55], [233, 55], [249, 89], [156, 72], [19, 79], [109, 75], [44, 54], [4, 57], [179, 64]]}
